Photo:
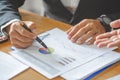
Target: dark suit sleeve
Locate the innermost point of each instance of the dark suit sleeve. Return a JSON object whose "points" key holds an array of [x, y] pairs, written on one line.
{"points": [[9, 10]]}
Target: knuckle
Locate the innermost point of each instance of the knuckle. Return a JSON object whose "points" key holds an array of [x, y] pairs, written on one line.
{"points": [[11, 33], [26, 45], [84, 29], [85, 20], [77, 27], [23, 32], [82, 40], [76, 37], [15, 24], [32, 23], [14, 43], [28, 40]]}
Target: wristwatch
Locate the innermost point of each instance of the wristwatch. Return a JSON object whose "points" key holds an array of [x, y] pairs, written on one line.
{"points": [[105, 21]]}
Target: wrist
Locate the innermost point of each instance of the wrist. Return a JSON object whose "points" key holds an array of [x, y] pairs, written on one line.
{"points": [[105, 21], [100, 25]]}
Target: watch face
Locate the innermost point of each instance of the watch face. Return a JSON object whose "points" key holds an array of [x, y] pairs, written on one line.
{"points": [[106, 20]]}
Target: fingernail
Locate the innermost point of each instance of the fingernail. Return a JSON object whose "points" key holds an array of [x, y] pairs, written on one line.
{"points": [[79, 42], [69, 37], [99, 46], [108, 46], [34, 31], [34, 37], [73, 40], [88, 43]]}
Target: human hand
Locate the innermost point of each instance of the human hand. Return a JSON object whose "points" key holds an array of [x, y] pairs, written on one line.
{"points": [[115, 24], [20, 37], [3, 38], [86, 30], [109, 39]]}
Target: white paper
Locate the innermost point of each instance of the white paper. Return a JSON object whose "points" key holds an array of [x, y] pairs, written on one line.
{"points": [[117, 77], [50, 64], [9, 67], [87, 69]]}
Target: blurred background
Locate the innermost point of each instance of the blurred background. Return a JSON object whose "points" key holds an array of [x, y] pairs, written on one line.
{"points": [[35, 6]]}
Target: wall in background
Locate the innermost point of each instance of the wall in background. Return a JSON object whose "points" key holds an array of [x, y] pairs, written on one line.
{"points": [[35, 6]]}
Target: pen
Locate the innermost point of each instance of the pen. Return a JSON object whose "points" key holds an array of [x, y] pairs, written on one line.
{"points": [[37, 38]]}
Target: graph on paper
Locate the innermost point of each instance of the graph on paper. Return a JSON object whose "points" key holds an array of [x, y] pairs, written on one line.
{"points": [[64, 55]]}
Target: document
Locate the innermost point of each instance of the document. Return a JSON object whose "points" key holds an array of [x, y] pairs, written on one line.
{"points": [[89, 68], [9, 66], [64, 55], [117, 77]]}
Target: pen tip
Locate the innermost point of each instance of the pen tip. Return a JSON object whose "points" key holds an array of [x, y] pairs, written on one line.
{"points": [[50, 50]]}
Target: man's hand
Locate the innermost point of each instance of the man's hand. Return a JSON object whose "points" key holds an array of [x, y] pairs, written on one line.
{"points": [[86, 30], [109, 39], [20, 37]]}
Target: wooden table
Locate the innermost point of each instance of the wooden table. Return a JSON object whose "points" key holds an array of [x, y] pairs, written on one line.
{"points": [[44, 24]]}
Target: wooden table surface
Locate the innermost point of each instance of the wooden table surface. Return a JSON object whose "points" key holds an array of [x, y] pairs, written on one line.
{"points": [[44, 24]]}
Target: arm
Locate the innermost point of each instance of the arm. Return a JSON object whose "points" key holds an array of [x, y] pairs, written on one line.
{"points": [[9, 10], [19, 37]]}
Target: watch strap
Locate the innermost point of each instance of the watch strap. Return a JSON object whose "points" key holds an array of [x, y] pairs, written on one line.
{"points": [[105, 21]]}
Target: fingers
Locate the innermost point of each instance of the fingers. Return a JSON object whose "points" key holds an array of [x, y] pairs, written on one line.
{"points": [[20, 44], [106, 35], [20, 37], [115, 24], [19, 29], [113, 40], [85, 31], [108, 39], [31, 26], [108, 43], [69, 30], [92, 39], [76, 28], [103, 43], [113, 44], [100, 40], [80, 33], [17, 36]]}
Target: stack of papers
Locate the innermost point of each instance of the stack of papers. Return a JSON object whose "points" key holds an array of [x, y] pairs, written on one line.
{"points": [[64, 57], [89, 68], [9, 66]]}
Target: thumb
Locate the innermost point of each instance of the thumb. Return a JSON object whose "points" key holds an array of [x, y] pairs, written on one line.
{"points": [[32, 26], [115, 24]]}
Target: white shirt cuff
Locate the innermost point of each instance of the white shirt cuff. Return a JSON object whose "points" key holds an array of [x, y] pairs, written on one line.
{"points": [[5, 25]]}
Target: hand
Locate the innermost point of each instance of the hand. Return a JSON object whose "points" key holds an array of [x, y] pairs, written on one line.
{"points": [[20, 37], [85, 31], [115, 24], [109, 39], [3, 38]]}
